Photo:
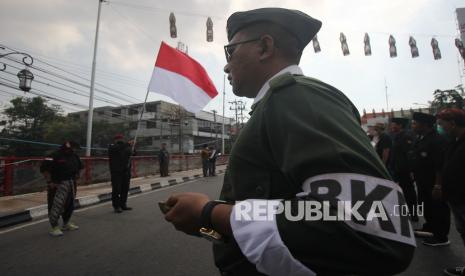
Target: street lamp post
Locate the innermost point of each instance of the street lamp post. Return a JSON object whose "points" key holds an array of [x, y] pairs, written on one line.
{"points": [[25, 76]]}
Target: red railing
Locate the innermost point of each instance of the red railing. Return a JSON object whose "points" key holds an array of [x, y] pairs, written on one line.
{"points": [[22, 174]]}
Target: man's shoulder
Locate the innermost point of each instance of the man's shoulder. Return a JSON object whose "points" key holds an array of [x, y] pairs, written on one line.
{"points": [[289, 80]]}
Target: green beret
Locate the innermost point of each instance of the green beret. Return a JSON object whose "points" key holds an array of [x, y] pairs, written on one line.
{"points": [[400, 121], [424, 118], [299, 24]]}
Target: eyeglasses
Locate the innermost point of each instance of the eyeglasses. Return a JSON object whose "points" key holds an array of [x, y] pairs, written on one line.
{"points": [[229, 49]]}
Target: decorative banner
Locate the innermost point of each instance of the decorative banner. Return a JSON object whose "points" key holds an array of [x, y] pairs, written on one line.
{"points": [[436, 51], [344, 46], [413, 47], [460, 47], [316, 45], [392, 47], [209, 30], [461, 21], [173, 30], [366, 40]]}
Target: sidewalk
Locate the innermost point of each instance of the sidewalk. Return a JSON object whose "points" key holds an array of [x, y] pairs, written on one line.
{"points": [[22, 208]]}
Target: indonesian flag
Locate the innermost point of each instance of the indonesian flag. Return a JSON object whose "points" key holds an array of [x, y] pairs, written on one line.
{"points": [[181, 78]]}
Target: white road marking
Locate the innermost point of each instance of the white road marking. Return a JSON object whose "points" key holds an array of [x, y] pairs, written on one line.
{"points": [[92, 207]]}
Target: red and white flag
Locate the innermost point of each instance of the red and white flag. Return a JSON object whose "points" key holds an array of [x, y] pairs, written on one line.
{"points": [[181, 78]]}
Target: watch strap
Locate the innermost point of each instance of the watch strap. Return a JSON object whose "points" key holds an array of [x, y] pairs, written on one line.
{"points": [[206, 215]]}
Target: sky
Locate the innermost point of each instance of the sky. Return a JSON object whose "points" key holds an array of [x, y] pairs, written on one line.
{"points": [[61, 33]]}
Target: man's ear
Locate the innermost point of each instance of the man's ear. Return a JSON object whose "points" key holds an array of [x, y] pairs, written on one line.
{"points": [[268, 47]]}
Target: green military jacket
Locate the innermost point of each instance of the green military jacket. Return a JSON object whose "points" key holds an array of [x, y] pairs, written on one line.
{"points": [[304, 128]]}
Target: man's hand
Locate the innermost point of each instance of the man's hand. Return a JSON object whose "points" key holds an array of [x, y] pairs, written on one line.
{"points": [[185, 211]]}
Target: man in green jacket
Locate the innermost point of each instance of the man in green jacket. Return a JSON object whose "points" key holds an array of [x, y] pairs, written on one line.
{"points": [[302, 149]]}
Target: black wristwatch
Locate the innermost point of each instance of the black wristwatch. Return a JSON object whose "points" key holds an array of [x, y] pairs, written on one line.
{"points": [[206, 215]]}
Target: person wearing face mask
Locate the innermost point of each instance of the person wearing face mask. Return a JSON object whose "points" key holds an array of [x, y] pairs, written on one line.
{"points": [[119, 155], [452, 121], [60, 170]]}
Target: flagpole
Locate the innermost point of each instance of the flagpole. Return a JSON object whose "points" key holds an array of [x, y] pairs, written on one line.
{"points": [[140, 119], [222, 133]]}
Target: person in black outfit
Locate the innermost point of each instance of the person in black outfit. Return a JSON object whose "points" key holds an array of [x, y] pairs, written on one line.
{"points": [[164, 160], [399, 162], [212, 161], [61, 169], [383, 143], [427, 162], [119, 154], [452, 122]]}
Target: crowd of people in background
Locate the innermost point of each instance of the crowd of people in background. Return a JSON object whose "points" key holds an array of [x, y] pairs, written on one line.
{"points": [[427, 160]]}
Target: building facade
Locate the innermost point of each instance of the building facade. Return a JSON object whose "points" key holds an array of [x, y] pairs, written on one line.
{"points": [[164, 122]]}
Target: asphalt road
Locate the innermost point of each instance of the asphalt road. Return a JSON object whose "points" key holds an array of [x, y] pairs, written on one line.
{"points": [[140, 242]]}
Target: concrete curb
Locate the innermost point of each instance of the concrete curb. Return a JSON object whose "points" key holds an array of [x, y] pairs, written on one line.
{"points": [[41, 211]]}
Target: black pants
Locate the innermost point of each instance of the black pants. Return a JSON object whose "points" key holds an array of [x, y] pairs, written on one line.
{"points": [[211, 167], [164, 168], [205, 167], [436, 213], [406, 183], [120, 187], [63, 205]]}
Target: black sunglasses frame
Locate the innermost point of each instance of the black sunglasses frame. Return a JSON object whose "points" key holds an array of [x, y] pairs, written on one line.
{"points": [[229, 49]]}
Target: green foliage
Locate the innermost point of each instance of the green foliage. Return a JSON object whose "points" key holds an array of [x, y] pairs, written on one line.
{"points": [[447, 99], [32, 119]]}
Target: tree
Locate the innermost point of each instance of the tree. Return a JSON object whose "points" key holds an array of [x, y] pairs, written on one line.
{"points": [[27, 119], [447, 99]]}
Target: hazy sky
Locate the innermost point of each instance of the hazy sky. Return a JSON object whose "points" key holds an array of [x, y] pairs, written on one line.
{"points": [[61, 33]]}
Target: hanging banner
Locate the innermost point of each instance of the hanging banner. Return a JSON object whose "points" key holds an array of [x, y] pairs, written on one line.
{"points": [[366, 41], [209, 30], [344, 46], [392, 47], [316, 45], [436, 51], [461, 20], [413, 47], [173, 30]]}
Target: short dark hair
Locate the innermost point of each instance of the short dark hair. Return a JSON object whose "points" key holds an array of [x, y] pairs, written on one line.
{"points": [[453, 115], [285, 41]]}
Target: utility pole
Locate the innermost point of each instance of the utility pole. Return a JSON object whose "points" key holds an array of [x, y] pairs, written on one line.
{"points": [[222, 124], [214, 127], [234, 107], [92, 83]]}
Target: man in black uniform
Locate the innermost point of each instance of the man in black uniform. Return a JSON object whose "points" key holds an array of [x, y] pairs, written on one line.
{"points": [[428, 157], [164, 160], [452, 122], [400, 162], [302, 145], [119, 154], [212, 161], [61, 170]]}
